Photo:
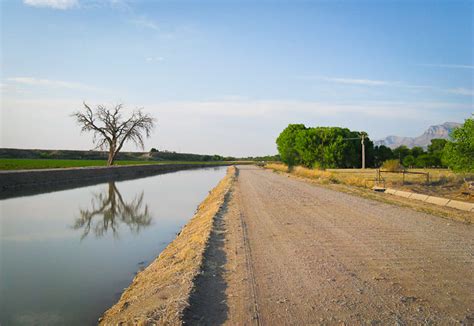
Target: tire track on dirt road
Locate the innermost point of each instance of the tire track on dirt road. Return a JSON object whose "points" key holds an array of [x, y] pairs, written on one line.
{"points": [[318, 256]]}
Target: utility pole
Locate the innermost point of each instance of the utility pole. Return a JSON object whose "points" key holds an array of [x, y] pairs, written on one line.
{"points": [[363, 150], [362, 139]]}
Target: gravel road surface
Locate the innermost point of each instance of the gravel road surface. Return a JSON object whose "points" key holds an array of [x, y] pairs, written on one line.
{"points": [[287, 252]]}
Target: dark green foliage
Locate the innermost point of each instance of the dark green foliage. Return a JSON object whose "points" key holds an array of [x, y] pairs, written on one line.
{"points": [[435, 150], [401, 152], [417, 151], [437, 145], [425, 161], [267, 158], [417, 157], [173, 156], [458, 154], [286, 144], [323, 147], [381, 154], [409, 161]]}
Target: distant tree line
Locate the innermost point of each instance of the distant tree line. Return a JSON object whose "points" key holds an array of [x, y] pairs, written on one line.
{"points": [[266, 158], [457, 153], [334, 147], [173, 156], [415, 157], [102, 155]]}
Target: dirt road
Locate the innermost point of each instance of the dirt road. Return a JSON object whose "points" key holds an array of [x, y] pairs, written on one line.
{"points": [[286, 252]]}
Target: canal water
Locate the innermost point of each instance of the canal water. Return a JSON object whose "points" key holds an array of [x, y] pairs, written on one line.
{"points": [[66, 256]]}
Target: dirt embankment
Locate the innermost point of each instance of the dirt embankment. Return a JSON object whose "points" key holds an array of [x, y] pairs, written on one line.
{"points": [[160, 294]]}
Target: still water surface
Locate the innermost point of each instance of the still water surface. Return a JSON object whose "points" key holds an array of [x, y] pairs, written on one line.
{"points": [[66, 256]]}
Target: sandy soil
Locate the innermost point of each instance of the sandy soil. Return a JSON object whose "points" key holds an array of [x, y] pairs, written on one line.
{"points": [[286, 252]]}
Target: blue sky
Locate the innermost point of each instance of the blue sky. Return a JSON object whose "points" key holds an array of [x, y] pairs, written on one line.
{"points": [[227, 76]]}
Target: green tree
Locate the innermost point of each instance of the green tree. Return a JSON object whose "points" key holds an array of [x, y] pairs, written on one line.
{"points": [[435, 150], [286, 142], [324, 147], [409, 161], [437, 145], [458, 154], [400, 152], [381, 154], [417, 151], [425, 161]]}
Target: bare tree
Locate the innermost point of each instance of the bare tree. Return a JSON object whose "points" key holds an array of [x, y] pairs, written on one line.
{"points": [[111, 131], [109, 210]]}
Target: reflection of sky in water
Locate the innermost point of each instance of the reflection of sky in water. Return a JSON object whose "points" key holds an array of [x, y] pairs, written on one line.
{"points": [[50, 276]]}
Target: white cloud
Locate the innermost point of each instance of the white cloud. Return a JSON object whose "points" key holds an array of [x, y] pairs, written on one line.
{"points": [[448, 66], [145, 22], [150, 59], [366, 82], [461, 91], [371, 82], [32, 81], [242, 108], [55, 4]]}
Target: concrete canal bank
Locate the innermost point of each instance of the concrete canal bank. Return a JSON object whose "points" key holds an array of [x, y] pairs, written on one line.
{"points": [[30, 182]]}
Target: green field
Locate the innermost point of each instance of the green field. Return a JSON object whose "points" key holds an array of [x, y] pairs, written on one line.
{"points": [[27, 164]]}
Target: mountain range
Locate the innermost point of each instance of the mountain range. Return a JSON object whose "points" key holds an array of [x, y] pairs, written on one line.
{"points": [[437, 131]]}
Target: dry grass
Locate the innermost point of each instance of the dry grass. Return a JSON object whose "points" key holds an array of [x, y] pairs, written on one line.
{"points": [[277, 167], [313, 173], [357, 182], [160, 293], [302, 172], [442, 182]]}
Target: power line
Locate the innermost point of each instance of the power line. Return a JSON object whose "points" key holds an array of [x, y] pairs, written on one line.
{"points": [[362, 139]]}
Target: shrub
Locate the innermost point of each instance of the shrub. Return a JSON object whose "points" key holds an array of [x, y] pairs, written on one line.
{"points": [[311, 173], [277, 167], [392, 165], [44, 155]]}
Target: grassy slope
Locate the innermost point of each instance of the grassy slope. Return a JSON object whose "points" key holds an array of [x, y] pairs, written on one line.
{"points": [[26, 164]]}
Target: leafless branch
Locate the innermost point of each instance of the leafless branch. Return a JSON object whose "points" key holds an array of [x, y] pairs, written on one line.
{"points": [[111, 131]]}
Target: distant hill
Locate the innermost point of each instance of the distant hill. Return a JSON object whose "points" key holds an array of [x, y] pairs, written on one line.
{"points": [[437, 131]]}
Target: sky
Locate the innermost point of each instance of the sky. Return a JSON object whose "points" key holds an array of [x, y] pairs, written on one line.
{"points": [[226, 77]]}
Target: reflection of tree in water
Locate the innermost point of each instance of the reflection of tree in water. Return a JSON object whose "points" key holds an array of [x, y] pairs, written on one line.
{"points": [[109, 210]]}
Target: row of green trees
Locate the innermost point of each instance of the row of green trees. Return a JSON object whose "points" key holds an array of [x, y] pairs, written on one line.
{"points": [[415, 157], [323, 147], [334, 147], [456, 153], [173, 156]]}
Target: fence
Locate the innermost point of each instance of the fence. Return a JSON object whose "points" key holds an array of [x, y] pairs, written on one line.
{"points": [[379, 179]]}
